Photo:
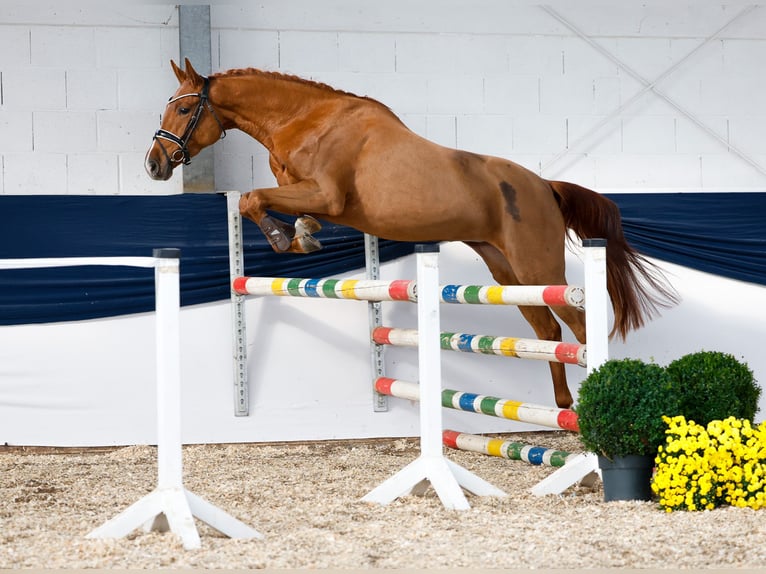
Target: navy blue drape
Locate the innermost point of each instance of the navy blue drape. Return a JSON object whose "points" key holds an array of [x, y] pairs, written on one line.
{"points": [[93, 226], [720, 233]]}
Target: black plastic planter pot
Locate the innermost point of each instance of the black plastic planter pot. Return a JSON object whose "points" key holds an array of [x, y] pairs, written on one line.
{"points": [[627, 477]]}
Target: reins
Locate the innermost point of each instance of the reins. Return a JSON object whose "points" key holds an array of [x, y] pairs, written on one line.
{"points": [[182, 153]]}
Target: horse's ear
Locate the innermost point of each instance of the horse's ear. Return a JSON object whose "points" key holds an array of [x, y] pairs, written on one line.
{"points": [[192, 74], [180, 74]]}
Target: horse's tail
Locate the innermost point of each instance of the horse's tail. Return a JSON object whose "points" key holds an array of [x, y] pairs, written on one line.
{"points": [[637, 288]]}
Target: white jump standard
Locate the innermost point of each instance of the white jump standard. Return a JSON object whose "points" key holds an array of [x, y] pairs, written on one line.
{"points": [[170, 506], [445, 476]]}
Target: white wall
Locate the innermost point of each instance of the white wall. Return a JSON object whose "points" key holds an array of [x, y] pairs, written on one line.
{"points": [[92, 382], [82, 88], [82, 92], [509, 79]]}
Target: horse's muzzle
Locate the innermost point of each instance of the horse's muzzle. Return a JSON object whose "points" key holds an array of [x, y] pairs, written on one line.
{"points": [[156, 170]]}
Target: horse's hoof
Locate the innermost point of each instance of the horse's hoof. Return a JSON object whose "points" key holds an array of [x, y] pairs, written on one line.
{"points": [[278, 233], [306, 225], [305, 244], [279, 241]]}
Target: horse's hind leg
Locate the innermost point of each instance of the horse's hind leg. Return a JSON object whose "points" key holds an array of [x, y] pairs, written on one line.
{"points": [[540, 318], [548, 329], [574, 319]]}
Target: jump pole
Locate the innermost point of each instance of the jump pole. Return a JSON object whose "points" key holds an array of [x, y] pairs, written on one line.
{"points": [[552, 417], [552, 351], [445, 476], [406, 290], [511, 450]]}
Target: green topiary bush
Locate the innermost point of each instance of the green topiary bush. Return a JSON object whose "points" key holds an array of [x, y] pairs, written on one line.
{"points": [[620, 408], [715, 386]]}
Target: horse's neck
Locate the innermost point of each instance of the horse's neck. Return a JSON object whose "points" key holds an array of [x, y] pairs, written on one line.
{"points": [[265, 105]]}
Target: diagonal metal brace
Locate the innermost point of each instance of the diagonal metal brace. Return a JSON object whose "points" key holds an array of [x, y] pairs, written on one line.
{"points": [[651, 86]]}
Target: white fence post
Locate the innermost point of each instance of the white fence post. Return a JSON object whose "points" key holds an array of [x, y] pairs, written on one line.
{"points": [[429, 351], [168, 306], [596, 303], [170, 506], [584, 467]]}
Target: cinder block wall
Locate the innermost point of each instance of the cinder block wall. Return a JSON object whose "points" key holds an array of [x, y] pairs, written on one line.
{"points": [[82, 92], [82, 88]]}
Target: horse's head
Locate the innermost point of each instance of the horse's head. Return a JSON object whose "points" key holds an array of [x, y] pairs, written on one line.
{"points": [[185, 128]]}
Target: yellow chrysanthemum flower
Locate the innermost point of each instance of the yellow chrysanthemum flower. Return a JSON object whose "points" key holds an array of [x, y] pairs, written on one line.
{"points": [[702, 468]]}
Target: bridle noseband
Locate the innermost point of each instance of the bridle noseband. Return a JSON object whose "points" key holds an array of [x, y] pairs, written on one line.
{"points": [[182, 153]]}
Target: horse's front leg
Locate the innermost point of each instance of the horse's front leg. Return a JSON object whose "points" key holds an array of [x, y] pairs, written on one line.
{"points": [[295, 198]]}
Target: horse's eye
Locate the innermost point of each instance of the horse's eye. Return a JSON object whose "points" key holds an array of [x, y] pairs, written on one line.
{"points": [[183, 111]]}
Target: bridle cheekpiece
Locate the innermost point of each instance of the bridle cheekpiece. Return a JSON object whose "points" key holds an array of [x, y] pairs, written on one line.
{"points": [[182, 153]]}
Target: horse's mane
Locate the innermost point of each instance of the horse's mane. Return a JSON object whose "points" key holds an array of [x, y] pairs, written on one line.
{"points": [[295, 79]]}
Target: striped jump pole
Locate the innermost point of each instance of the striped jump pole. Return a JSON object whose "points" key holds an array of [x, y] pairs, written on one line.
{"points": [[551, 417], [537, 295], [358, 289], [406, 290], [552, 351], [537, 455]]}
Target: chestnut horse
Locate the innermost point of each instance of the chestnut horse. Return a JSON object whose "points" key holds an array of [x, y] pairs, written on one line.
{"points": [[350, 160]]}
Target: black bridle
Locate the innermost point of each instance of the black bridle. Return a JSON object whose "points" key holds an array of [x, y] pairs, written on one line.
{"points": [[182, 153]]}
